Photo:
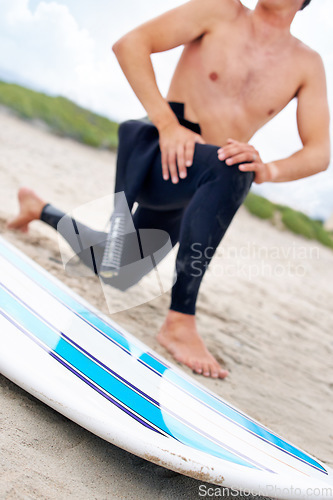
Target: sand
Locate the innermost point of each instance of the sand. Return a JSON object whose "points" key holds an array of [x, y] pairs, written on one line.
{"points": [[265, 309]]}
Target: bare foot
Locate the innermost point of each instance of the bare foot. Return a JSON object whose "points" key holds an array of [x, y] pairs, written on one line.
{"points": [[31, 207], [180, 337]]}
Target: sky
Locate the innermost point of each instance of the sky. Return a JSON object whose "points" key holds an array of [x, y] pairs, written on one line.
{"points": [[64, 48]]}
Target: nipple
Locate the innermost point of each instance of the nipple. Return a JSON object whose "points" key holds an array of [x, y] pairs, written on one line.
{"points": [[213, 76]]}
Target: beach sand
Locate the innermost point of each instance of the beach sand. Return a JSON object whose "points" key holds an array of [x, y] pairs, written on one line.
{"points": [[265, 308]]}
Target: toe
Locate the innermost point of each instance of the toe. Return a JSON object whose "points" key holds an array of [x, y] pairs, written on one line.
{"points": [[196, 367], [223, 373], [206, 370]]}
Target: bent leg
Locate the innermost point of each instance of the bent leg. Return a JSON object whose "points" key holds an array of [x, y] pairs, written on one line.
{"points": [[165, 220], [220, 192], [156, 233], [86, 243], [89, 244]]}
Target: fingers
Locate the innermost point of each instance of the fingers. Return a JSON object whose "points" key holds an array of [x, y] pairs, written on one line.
{"points": [[181, 161], [165, 168], [190, 148], [235, 149], [169, 165], [177, 151], [239, 153], [172, 162], [248, 167], [247, 158], [189, 153], [175, 163], [240, 158]]}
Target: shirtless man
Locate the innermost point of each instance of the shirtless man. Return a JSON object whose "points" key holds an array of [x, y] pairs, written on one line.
{"points": [[239, 68]]}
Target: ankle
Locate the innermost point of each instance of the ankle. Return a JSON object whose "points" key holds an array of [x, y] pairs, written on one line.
{"points": [[39, 209], [175, 317]]}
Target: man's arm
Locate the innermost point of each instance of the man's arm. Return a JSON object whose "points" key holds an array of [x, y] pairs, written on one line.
{"points": [[172, 29], [313, 126]]}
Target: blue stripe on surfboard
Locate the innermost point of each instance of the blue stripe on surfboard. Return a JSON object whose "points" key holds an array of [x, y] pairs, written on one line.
{"points": [[109, 383], [167, 412], [232, 415], [57, 358], [151, 362]]}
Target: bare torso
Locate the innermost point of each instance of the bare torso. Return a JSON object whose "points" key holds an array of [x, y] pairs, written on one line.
{"points": [[231, 84]]}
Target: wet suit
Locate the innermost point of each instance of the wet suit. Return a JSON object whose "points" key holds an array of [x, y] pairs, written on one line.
{"points": [[196, 212]]}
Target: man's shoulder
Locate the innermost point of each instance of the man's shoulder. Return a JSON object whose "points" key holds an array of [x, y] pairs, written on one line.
{"points": [[223, 9], [309, 61], [306, 53]]}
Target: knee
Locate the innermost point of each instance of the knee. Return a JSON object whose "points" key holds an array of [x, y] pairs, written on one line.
{"points": [[227, 178], [241, 184]]}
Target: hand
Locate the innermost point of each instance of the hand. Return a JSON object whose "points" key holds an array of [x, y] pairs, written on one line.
{"points": [[238, 152], [177, 145]]}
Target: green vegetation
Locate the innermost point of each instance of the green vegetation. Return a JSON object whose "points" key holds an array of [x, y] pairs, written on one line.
{"points": [[61, 115], [260, 206], [295, 221], [298, 223]]}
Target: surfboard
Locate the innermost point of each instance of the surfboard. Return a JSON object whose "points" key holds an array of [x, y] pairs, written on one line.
{"points": [[60, 349]]}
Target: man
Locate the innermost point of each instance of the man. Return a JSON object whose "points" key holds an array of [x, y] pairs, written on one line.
{"points": [[239, 68]]}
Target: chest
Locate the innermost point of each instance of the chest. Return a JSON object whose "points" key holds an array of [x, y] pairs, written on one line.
{"points": [[263, 80]]}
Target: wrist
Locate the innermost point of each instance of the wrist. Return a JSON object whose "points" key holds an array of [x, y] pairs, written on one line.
{"points": [[272, 172], [165, 122], [163, 118]]}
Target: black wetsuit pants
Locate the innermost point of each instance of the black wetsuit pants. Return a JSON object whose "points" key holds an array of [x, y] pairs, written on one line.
{"points": [[196, 212]]}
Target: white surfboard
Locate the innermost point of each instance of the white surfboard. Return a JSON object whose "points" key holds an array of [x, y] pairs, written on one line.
{"points": [[59, 348]]}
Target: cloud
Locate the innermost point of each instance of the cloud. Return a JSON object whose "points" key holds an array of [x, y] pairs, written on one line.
{"points": [[47, 46], [49, 49]]}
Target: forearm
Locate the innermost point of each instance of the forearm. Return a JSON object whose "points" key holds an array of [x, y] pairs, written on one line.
{"points": [[304, 163], [133, 55]]}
